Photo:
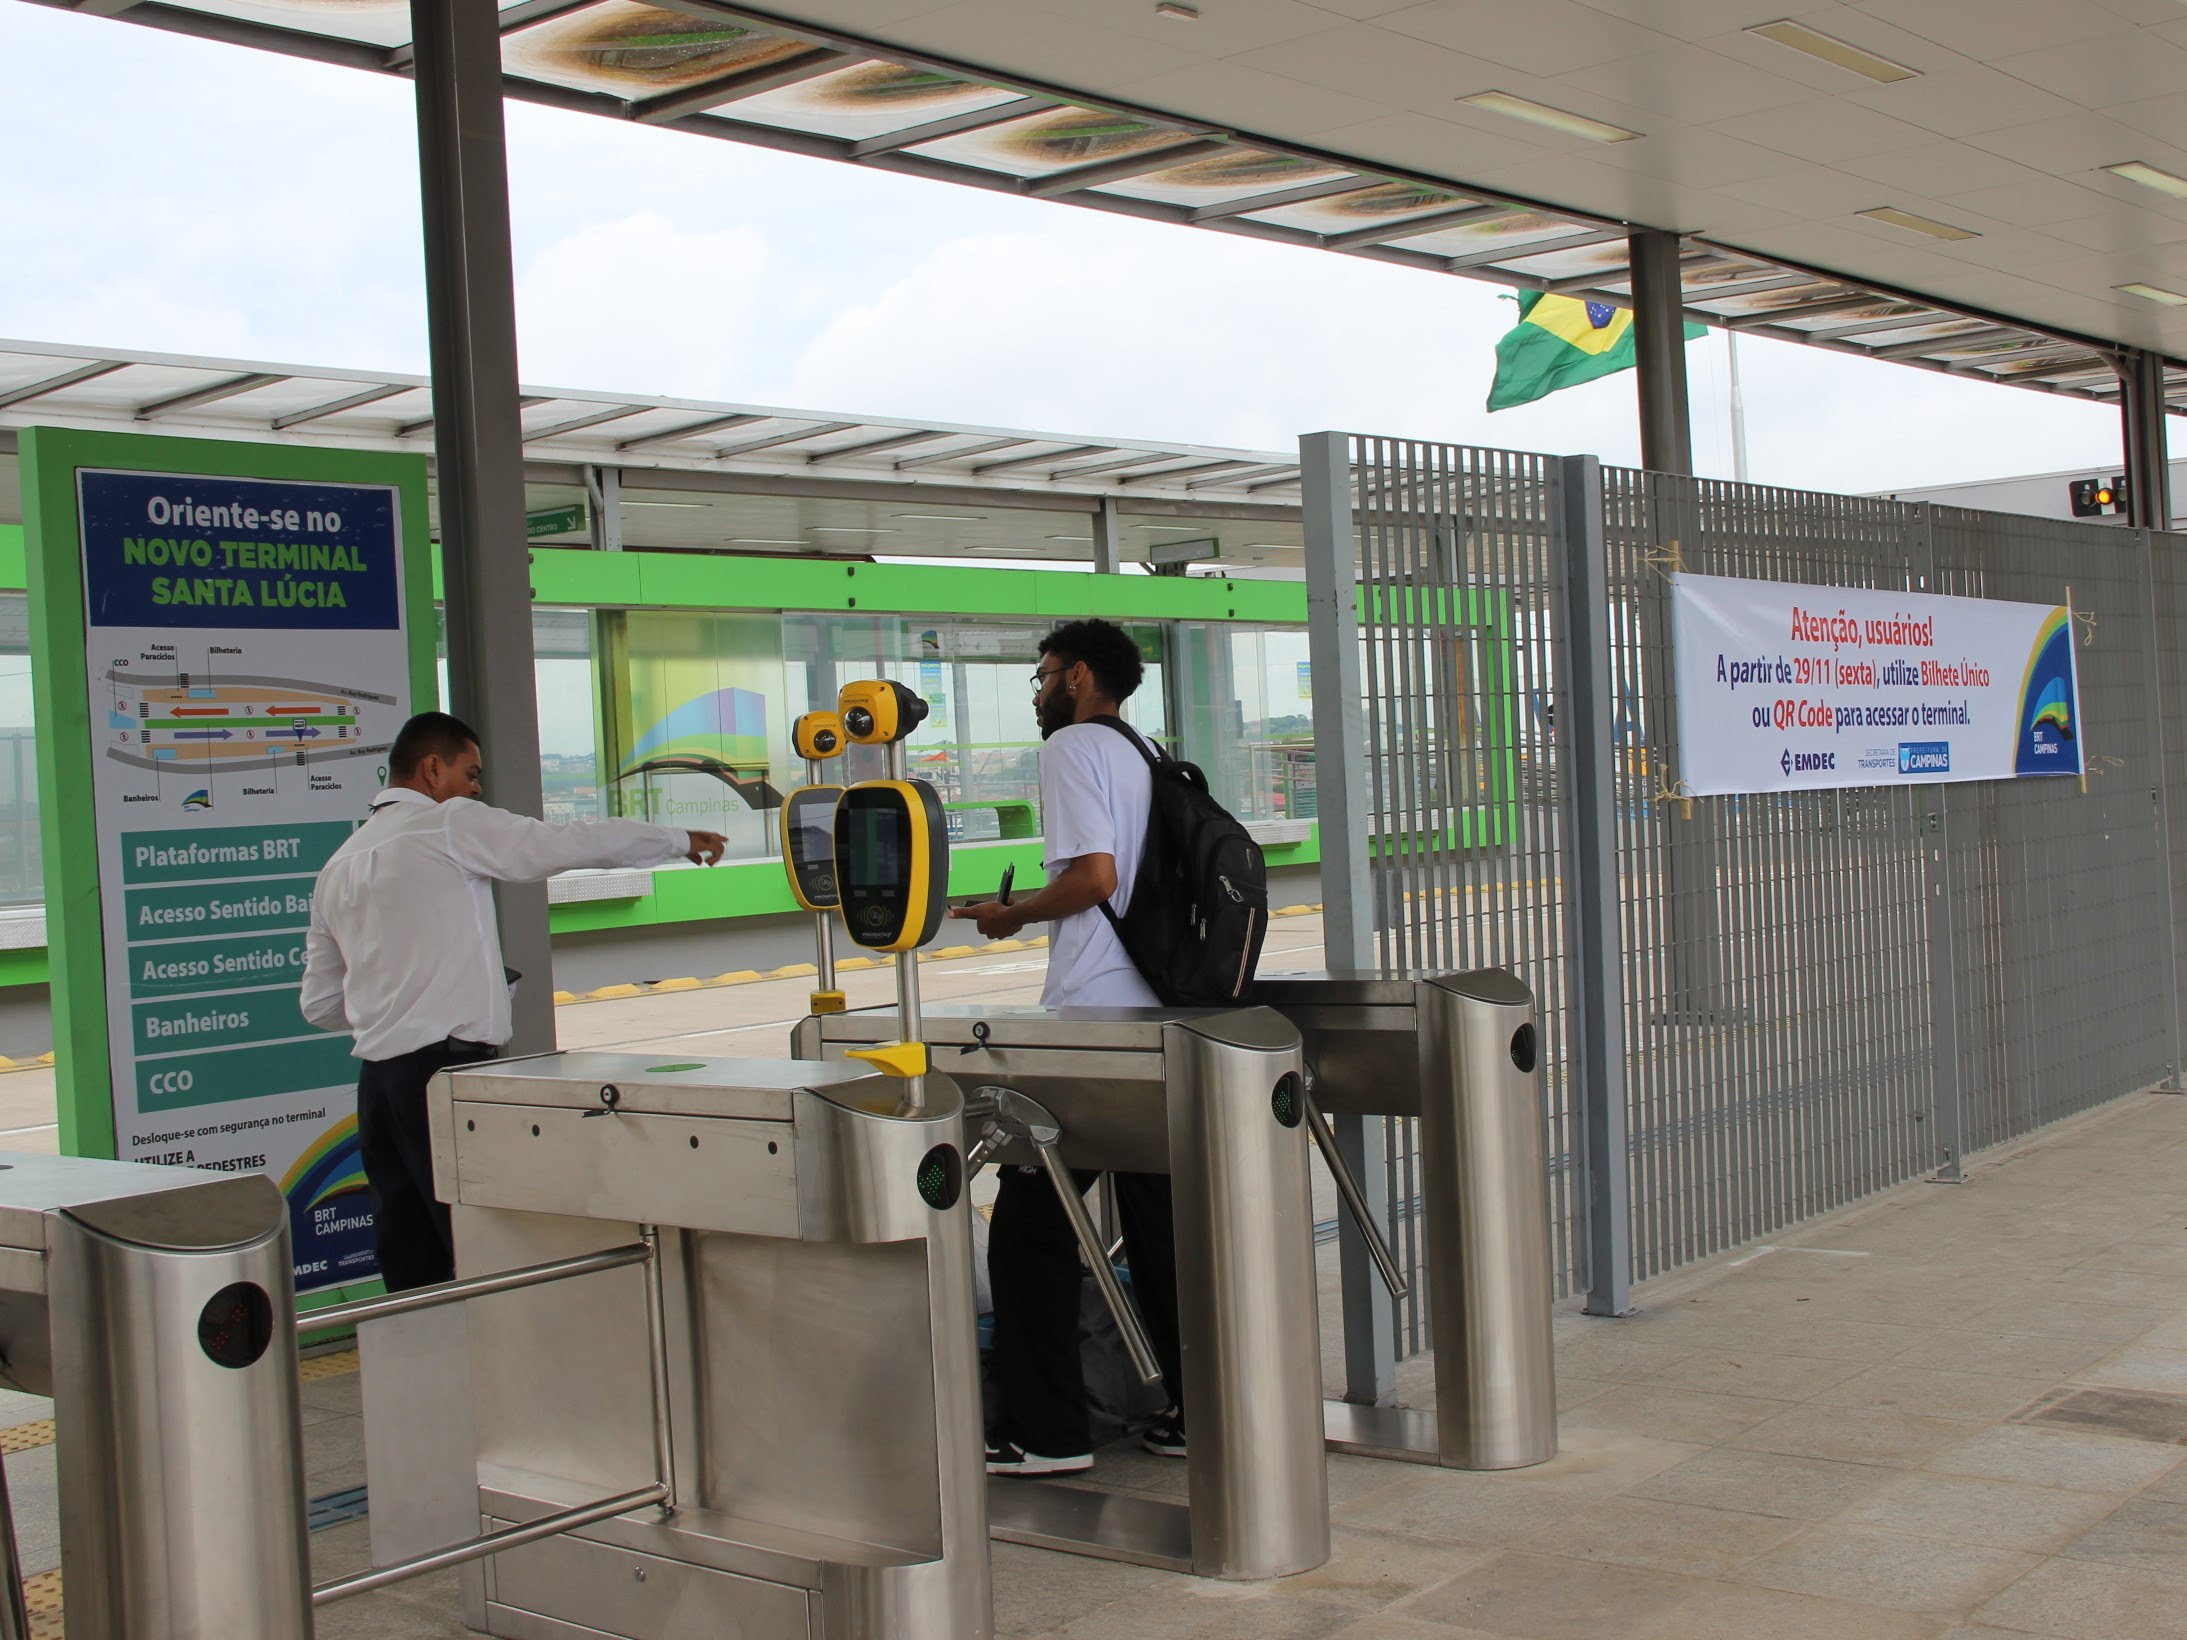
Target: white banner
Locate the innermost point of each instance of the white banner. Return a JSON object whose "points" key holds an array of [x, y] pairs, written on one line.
{"points": [[1783, 687]]}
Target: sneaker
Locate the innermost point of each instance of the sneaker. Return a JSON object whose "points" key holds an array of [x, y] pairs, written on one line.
{"points": [[1009, 1458], [1165, 1437]]}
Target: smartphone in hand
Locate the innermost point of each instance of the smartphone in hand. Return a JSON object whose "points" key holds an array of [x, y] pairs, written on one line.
{"points": [[1009, 876]]}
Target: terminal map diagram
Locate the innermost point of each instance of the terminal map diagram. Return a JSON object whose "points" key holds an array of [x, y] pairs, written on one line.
{"points": [[205, 724]]}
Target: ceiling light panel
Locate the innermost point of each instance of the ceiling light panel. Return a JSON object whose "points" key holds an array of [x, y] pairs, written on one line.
{"points": [[2150, 177], [1827, 48], [1892, 216], [1549, 119], [2154, 293]]}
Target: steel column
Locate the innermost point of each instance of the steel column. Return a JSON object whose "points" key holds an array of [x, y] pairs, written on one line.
{"points": [[2141, 413], [1340, 723], [470, 301], [604, 498], [1346, 815], [1108, 546], [1587, 804], [2160, 786], [1659, 346]]}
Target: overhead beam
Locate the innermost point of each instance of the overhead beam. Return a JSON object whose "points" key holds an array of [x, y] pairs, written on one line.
{"points": [[1412, 227], [1541, 247], [1035, 460], [673, 105], [873, 447], [334, 407], [1118, 170], [817, 430], [978, 119], [929, 460], [580, 423], [205, 395], [1276, 199], [53, 384], [712, 424]]}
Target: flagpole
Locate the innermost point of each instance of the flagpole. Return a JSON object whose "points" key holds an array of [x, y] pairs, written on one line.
{"points": [[1738, 409]]}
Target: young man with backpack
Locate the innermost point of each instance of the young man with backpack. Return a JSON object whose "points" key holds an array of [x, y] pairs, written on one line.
{"points": [[1097, 793]]}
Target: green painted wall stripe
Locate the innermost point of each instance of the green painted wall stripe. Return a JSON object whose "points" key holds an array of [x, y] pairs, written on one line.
{"points": [[681, 580]]}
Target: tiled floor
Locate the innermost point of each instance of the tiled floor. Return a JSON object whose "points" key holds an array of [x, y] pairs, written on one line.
{"points": [[1885, 1427]]}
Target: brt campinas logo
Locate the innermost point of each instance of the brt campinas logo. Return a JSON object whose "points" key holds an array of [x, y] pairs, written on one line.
{"points": [[2048, 742], [199, 799]]}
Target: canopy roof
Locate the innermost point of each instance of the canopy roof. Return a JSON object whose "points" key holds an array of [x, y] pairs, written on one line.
{"points": [[1931, 190]]}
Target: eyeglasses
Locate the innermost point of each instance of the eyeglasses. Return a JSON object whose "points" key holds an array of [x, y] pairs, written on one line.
{"points": [[1040, 679]]}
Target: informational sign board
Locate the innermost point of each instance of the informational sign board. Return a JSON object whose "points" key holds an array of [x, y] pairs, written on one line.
{"points": [[226, 640], [1783, 687]]}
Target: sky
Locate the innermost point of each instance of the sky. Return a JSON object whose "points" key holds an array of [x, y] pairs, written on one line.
{"points": [[175, 195]]}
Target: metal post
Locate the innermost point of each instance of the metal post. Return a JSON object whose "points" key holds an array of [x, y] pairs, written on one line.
{"points": [[1343, 805], [604, 495], [1587, 818], [1108, 546], [1659, 347], [2141, 413], [2160, 800], [1944, 1049], [1340, 721], [478, 445]]}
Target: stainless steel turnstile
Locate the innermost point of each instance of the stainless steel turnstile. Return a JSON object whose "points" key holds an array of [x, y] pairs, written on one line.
{"points": [[813, 1415], [1462, 1053], [156, 1306], [1214, 1099]]}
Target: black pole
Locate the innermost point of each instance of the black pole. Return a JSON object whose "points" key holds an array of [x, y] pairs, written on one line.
{"points": [[1659, 344]]}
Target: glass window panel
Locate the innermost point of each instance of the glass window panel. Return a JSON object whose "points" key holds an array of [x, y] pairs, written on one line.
{"points": [[22, 880], [569, 729], [699, 734]]}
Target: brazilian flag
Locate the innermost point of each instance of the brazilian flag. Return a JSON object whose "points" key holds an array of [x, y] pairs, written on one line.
{"points": [[1561, 341]]}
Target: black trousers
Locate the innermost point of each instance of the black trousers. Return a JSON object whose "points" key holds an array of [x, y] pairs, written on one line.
{"points": [[409, 1227], [1034, 1269]]}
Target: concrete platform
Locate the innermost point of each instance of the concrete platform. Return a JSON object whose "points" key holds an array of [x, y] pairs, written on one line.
{"points": [[1951, 1411]]}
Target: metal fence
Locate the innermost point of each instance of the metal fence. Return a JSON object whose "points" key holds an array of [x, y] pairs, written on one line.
{"points": [[1807, 996]]}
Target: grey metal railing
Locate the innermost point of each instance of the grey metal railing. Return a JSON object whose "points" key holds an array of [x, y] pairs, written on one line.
{"points": [[1802, 997]]}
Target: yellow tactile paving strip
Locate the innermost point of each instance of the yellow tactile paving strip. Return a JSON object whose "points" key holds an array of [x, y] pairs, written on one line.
{"points": [[42, 1598]]}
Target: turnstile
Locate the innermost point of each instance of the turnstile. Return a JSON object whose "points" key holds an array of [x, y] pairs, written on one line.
{"points": [[156, 1306], [1462, 1053], [812, 1331], [1214, 1098]]}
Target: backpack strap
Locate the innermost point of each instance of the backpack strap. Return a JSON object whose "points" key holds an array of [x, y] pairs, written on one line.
{"points": [[1154, 761], [1154, 758]]}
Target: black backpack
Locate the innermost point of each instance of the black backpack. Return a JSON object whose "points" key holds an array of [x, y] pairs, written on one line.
{"points": [[1199, 904]]}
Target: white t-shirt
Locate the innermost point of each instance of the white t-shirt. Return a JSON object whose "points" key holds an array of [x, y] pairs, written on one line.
{"points": [[1095, 792]]}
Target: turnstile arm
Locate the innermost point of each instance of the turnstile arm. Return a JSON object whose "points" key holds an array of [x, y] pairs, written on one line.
{"points": [[1010, 1115], [1355, 1200]]}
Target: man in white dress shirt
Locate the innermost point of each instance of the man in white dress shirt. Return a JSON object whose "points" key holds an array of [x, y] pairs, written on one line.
{"points": [[404, 952]]}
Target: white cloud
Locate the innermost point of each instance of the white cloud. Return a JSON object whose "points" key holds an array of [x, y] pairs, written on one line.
{"points": [[639, 305]]}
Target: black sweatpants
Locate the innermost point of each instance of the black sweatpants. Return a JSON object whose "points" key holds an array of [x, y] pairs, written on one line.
{"points": [[1034, 1269], [409, 1227]]}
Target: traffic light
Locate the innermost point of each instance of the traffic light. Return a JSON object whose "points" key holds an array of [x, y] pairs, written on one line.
{"points": [[2098, 497]]}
